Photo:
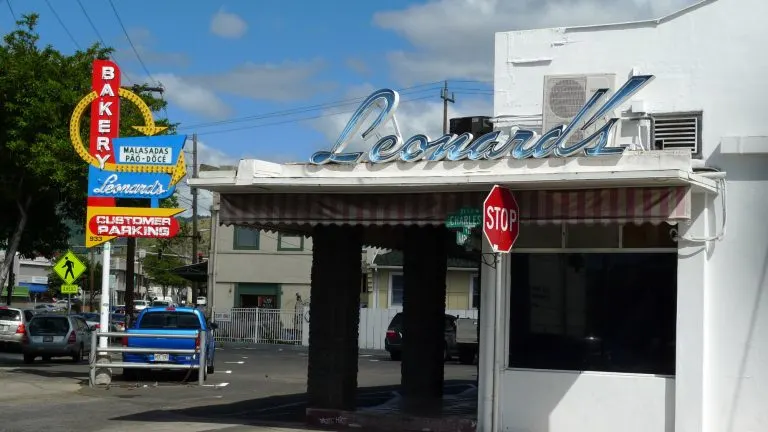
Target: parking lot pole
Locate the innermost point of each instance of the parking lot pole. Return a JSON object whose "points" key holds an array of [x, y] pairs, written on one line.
{"points": [[103, 376]]}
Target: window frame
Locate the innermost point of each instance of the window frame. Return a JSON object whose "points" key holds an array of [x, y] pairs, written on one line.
{"points": [[237, 246], [472, 287], [390, 289], [289, 249]]}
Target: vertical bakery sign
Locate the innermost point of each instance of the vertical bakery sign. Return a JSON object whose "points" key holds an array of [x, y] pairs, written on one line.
{"points": [[144, 167]]}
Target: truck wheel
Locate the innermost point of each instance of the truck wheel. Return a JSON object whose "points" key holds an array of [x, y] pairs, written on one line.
{"points": [[466, 356], [394, 355], [29, 359]]}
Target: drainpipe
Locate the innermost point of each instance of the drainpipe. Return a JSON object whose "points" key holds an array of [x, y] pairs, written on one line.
{"points": [[213, 259]]}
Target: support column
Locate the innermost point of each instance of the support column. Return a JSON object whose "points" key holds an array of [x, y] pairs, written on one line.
{"points": [[424, 271], [334, 317]]}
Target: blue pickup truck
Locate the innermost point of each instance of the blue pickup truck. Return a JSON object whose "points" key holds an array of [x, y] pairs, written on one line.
{"points": [[169, 320]]}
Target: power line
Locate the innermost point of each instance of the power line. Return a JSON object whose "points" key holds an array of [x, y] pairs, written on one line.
{"points": [[58, 18], [133, 47], [8, 2], [98, 34], [294, 120]]}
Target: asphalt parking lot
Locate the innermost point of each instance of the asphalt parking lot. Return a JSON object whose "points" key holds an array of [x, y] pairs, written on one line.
{"points": [[263, 384]]}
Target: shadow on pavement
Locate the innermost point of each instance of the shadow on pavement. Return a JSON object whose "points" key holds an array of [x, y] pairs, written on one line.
{"points": [[274, 410], [47, 373]]}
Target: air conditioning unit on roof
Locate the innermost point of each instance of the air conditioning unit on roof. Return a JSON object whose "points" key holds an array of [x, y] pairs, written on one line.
{"points": [[565, 95]]}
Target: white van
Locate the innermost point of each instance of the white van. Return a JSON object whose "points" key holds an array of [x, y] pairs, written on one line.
{"points": [[201, 301]]}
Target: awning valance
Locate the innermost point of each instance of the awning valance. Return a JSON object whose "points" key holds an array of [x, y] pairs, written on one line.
{"points": [[608, 205]]}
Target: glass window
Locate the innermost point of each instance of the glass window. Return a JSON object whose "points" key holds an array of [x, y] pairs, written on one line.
{"points": [[543, 236], [592, 236], [600, 312], [246, 238], [10, 315], [475, 292], [396, 287], [170, 320], [49, 326], [290, 242]]}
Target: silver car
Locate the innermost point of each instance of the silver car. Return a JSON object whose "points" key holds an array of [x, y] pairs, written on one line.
{"points": [[13, 324], [51, 336]]}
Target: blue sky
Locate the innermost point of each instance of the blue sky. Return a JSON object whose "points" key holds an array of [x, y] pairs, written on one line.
{"points": [[230, 67]]}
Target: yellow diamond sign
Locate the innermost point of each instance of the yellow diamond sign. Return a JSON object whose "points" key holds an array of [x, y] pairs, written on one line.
{"points": [[69, 268]]}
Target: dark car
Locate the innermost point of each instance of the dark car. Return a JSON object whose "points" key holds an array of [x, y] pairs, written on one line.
{"points": [[394, 337]]}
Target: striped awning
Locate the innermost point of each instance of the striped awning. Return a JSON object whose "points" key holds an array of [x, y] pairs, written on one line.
{"points": [[616, 205]]}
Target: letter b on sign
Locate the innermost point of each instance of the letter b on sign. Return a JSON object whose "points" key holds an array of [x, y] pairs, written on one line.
{"points": [[501, 224]]}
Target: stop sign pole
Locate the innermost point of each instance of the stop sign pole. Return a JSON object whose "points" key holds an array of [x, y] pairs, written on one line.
{"points": [[501, 226]]}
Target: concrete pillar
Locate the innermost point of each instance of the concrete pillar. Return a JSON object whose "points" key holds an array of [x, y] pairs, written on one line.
{"points": [[424, 270], [334, 317]]}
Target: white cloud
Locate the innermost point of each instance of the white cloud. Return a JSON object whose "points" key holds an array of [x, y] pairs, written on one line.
{"points": [[357, 65], [193, 97], [143, 41], [455, 38], [228, 25], [287, 81], [414, 116]]}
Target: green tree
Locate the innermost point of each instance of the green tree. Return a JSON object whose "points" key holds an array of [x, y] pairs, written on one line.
{"points": [[160, 267], [42, 180]]}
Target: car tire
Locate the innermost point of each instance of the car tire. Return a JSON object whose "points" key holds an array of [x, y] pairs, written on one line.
{"points": [[29, 359], [394, 355], [77, 357], [466, 356]]}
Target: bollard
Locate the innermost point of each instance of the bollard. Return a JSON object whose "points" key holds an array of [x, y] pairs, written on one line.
{"points": [[203, 359], [100, 376]]}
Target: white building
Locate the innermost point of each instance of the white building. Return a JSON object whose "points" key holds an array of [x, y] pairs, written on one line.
{"points": [[709, 94]]}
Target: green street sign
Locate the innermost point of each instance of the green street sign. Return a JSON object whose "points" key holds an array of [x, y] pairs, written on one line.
{"points": [[465, 220], [70, 289]]}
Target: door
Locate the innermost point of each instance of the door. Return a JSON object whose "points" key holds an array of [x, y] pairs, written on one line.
{"points": [[249, 301]]}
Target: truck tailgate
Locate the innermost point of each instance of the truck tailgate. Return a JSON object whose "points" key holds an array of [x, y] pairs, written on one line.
{"points": [[160, 343]]}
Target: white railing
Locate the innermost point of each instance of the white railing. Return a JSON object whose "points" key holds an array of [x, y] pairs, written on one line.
{"points": [[289, 326], [259, 325]]}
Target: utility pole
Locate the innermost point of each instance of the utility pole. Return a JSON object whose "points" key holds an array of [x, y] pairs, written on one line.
{"points": [[195, 287], [444, 96]]}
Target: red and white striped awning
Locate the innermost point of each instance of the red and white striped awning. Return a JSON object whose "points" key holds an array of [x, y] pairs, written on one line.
{"points": [[610, 205]]}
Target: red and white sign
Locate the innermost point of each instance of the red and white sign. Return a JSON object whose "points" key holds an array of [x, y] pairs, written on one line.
{"points": [[501, 222], [134, 226], [105, 118]]}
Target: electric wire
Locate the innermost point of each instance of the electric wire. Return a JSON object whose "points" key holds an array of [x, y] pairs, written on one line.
{"points": [[130, 42], [101, 39], [58, 18], [10, 8]]}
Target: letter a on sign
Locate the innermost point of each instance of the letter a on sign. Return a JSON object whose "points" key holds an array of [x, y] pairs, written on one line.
{"points": [[501, 221]]}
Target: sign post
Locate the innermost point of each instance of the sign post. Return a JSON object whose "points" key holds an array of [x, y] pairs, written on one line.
{"points": [[501, 226]]}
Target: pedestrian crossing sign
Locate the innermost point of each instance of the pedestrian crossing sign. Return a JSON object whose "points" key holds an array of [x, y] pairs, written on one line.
{"points": [[69, 268]]}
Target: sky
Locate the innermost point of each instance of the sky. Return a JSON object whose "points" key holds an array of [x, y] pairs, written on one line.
{"points": [[277, 81]]}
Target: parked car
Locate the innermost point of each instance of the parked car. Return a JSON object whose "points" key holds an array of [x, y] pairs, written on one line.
{"points": [[92, 319], [51, 335], [174, 321], [394, 337], [140, 305], [46, 307], [201, 301], [117, 322], [13, 325], [161, 303]]}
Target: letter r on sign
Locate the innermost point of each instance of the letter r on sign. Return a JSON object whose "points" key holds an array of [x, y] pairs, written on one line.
{"points": [[107, 73]]}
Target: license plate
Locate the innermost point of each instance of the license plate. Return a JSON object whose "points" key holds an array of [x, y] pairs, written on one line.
{"points": [[47, 338], [162, 357]]}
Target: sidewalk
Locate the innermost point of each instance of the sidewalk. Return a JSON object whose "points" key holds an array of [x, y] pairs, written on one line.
{"points": [[17, 386]]}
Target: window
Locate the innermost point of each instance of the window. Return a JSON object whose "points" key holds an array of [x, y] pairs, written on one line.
{"points": [[474, 291], [611, 312], [396, 285], [290, 242], [246, 238], [169, 320]]}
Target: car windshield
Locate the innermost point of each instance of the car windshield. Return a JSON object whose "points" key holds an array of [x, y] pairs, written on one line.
{"points": [[10, 315], [49, 326], [90, 316], [160, 303], [170, 320], [140, 302], [118, 317]]}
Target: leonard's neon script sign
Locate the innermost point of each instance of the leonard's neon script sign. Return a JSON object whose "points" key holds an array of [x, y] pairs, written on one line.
{"points": [[521, 145]]}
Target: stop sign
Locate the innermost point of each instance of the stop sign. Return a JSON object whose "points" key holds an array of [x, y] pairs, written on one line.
{"points": [[501, 224]]}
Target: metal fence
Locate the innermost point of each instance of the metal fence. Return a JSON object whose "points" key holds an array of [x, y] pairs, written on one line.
{"points": [[264, 326], [96, 360]]}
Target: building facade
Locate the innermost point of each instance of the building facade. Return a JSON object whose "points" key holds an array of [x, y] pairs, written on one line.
{"points": [[706, 98]]}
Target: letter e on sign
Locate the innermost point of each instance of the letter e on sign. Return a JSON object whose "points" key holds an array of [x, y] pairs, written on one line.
{"points": [[501, 222]]}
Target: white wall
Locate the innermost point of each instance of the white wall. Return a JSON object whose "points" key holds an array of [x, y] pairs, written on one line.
{"points": [[711, 59]]}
